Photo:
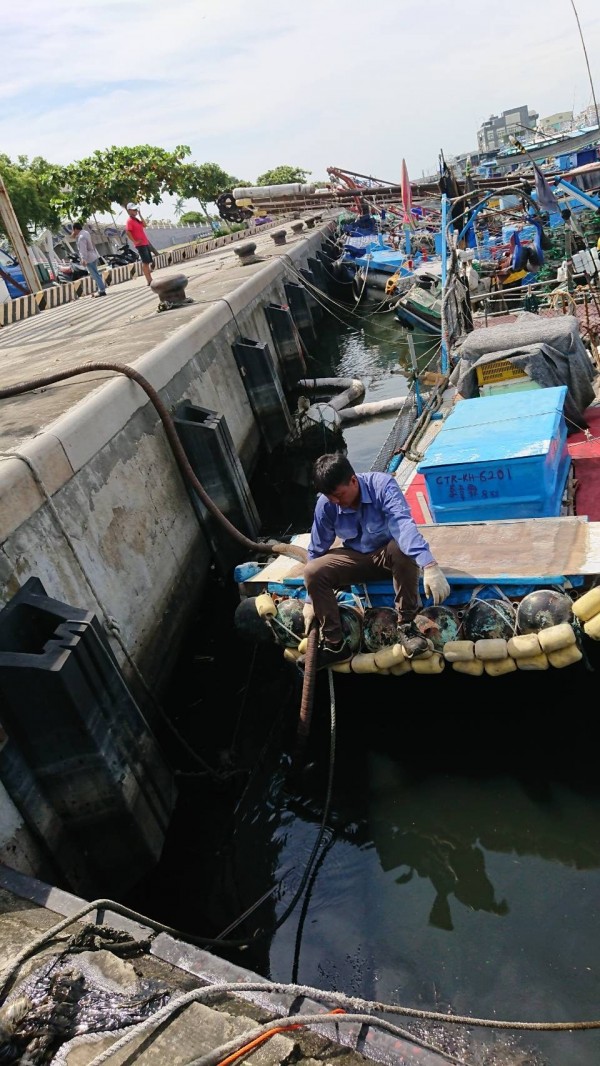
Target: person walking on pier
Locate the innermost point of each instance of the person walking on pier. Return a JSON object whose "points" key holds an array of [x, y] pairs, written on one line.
{"points": [[370, 516], [89, 256], [136, 231]]}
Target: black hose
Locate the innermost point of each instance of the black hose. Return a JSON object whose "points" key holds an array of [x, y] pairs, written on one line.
{"points": [[264, 547]]}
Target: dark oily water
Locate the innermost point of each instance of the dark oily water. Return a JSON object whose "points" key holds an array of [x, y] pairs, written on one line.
{"points": [[447, 880], [458, 866], [374, 348]]}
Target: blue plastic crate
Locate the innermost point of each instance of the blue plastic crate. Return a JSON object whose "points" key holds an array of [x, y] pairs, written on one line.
{"points": [[499, 457]]}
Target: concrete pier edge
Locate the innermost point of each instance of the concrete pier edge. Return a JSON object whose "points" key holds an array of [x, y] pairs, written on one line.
{"points": [[367, 1042]]}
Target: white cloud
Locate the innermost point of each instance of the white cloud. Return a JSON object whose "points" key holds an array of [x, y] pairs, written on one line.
{"points": [[325, 82]]}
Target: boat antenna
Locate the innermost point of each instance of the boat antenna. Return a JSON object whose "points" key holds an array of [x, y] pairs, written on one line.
{"points": [[587, 63]]}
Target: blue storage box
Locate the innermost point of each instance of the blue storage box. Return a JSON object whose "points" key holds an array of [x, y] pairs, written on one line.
{"points": [[499, 457]]}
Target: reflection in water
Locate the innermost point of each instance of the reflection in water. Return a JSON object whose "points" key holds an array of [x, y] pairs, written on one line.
{"points": [[461, 864], [468, 890], [452, 870]]}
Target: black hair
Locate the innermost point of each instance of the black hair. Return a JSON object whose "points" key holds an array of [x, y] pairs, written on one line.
{"points": [[331, 470], [78, 225]]}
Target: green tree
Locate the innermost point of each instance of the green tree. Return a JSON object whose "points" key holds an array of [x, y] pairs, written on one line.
{"points": [[204, 182], [31, 187], [194, 218], [143, 174], [283, 175]]}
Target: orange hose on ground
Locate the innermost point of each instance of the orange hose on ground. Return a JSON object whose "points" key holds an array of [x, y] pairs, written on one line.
{"points": [[253, 1044]]}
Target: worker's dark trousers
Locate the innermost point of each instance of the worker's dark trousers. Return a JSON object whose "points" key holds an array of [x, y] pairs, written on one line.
{"points": [[340, 567]]}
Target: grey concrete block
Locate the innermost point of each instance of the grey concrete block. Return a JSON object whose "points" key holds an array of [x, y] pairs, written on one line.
{"points": [[195, 1031]]}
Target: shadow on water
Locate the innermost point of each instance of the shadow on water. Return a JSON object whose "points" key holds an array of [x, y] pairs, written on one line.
{"points": [[458, 866], [459, 869]]}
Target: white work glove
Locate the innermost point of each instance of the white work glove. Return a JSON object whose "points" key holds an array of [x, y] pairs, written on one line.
{"points": [[308, 614], [435, 583]]}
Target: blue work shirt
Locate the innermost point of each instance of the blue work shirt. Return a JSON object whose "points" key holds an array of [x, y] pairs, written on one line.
{"points": [[383, 515]]}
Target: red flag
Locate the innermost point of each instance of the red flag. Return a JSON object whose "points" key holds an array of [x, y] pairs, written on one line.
{"points": [[406, 195]]}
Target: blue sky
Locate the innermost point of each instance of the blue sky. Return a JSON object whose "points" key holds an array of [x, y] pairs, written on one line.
{"points": [[312, 84]]}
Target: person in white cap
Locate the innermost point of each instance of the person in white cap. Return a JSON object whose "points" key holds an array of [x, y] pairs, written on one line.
{"points": [[136, 231]]}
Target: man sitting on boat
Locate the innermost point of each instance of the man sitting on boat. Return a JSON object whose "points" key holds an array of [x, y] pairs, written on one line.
{"points": [[370, 516]]}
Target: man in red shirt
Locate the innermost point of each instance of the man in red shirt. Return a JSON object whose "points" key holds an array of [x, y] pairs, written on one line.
{"points": [[136, 231]]}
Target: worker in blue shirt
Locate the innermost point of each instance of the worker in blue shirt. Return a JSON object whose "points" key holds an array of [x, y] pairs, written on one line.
{"points": [[370, 516]]}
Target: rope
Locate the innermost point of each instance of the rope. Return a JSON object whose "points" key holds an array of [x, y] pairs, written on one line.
{"points": [[339, 998], [318, 995], [562, 296], [320, 296]]}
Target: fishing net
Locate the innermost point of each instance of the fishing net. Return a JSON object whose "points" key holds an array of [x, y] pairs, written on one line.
{"points": [[398, 434]]}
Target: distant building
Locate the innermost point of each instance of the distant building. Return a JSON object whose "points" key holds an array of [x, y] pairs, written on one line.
{"points": [[495, 133], [587, 117], [561, 122]]}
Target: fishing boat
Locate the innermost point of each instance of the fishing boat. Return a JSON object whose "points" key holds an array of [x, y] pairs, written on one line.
{"points": [[384, 246], [420, 306], [500, 465]]}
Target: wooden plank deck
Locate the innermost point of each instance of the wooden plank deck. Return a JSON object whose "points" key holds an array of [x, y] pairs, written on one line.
{"points": [[511, 549]]}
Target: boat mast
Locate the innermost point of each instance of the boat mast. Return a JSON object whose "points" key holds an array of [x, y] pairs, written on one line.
{"points": [[445, 356]]}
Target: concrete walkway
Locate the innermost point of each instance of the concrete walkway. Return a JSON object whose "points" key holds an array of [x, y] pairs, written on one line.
{"points": [[121, 328]]}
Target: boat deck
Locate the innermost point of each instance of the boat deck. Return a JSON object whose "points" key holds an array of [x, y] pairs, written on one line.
{"points": [[510, 551], [506, 552]]}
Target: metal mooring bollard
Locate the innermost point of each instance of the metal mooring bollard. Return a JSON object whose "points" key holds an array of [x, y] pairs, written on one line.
{"points": [[171, 292], [245, 253], [279, 236], [297, 226], [310, 223]]}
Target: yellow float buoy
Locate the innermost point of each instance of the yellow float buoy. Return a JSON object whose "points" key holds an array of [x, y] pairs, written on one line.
{"points": [[491, 648], [533, 662], [565, 656], [431, 664], [592, 627], [265, 605], [472, 667], [388, 657], [587, 605], [458, 651], [498, 667], [556, 637], [523, 646]]}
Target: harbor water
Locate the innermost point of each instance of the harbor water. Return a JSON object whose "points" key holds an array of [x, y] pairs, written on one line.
{"points": [[440, 851]]}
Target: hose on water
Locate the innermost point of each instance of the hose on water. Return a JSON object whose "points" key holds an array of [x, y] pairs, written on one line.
{"points": [[295, 551]]}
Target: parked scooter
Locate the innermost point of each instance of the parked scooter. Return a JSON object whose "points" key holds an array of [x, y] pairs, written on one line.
{"points": [[124, 255], [72, 270]]}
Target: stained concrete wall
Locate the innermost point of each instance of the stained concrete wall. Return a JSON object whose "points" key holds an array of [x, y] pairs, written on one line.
{"points": [[112, 528], [96, 507]]}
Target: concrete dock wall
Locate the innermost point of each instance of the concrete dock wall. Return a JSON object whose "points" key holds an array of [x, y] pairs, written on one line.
{"points": [[95, 506]]}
